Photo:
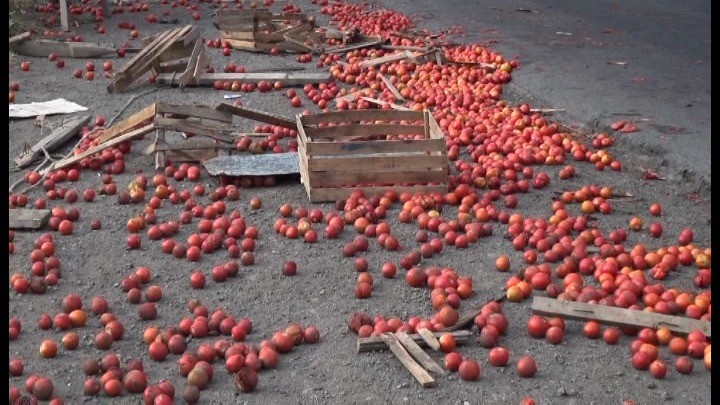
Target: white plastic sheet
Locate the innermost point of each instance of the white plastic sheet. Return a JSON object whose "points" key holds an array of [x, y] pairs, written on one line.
{"points": [[57, 106]]}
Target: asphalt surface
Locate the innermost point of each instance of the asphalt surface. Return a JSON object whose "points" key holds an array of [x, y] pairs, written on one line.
{"points": [[571, 56]]}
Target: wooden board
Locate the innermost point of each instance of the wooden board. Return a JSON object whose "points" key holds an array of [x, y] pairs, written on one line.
{"points": [[618, 316], [257, 115], [25, 218], [363, 43], [392, 88], [188, 76], [44, 47], [192, 144], [394, 57], [194, 127], [419, 354], [346, 132], [368, 147], [286, 78], [196, 111], [146, 51], [256, 46], [394, 106], [147, 113], [429, 338], [334, 194], [66, 130], [115, 141], [389, 178], [341, 164], [415, 369], [64, 16], [361, 115], [19, 38], [374, 343]]}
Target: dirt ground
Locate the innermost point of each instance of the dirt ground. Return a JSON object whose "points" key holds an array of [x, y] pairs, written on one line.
{"points": [[578, 371]]}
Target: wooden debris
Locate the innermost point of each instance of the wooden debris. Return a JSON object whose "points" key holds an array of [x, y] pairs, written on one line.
{"points": [[419, 354], [468, 318], [64, 16], [66, 130], [394, 57], [429, 338], [257, 115], [286, 78], [354, 96], [135, 120], [25, 218], [196, 111], [44, 47], [391, 87], [546, 110], [415, 369], [19, 38], [489, 66], [259, 30], [617, 316], [363, 42], [382, 103], [374, 343]]}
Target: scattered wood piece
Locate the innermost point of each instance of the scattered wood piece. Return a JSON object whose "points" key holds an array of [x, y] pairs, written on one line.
{"points": [[489, 66], [356, 95], [115, 141], [429, 338], [196, 111], [406, 48], [44, 47], [419, 354], [66, 130], [394, 57], [391, 87], [415, 369], [146, 114], [381, 103], [26, 218], [546, 110], [617, 316], [374, 343], [64, 16], [364, 42], [286, 78], [468, 318], [194, 127], [257, 115], [19, 38]]}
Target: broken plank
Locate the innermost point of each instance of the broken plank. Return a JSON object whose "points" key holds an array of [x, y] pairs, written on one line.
{"points": [[419, 354], [406, 48], [147, 113], [176, 66], [64, 16], [391, 87], [285, 78], [257, 115], [546, 110], [19, 38], [197, 111], [356, 95], [429, 338], [482, 65], [59, 135], [470, 317], [44, 47], [193, 127], [381, 103], [115, 141], [413, 367], [365, 42], [374, 343], [148, 49], [617, 316], [394, 57], [26, 218]]}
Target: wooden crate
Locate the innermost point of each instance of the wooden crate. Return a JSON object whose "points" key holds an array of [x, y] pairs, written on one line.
{"points": [[365, 150], [261, 31]]}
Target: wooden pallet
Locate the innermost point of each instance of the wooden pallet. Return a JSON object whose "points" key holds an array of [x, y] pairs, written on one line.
{"points": [[336, 160], [262, 31]]}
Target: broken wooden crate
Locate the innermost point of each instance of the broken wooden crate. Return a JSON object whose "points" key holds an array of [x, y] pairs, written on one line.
{"points": [[260, 30], [179, 52], [371, 151]]}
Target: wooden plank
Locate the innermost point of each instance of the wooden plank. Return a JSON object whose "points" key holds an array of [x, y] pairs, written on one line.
{"points": [[415, 369], [196, 111], [193, 144], [362, 130], [364, 43], [176, 66], [392, 88], [158, 47], [370, 176], [374, 343], [617, 316], [435, 131], [27, 218], [115, 141], [202, 62], [147, 113], [66, 130], [64, 16], [19, 38], [361, 115], [356, 95], [44, 47], [393, 57], [183, 125], [334, 194], [419, 354], [257, 46], [148, 49], [406, 48], [257, 115], [396, 107], [175, 52], [368, 147], [286, 78], [419, 161], [429, 338]]}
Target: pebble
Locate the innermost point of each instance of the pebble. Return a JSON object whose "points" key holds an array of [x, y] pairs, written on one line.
{"points": [[652, 385]]}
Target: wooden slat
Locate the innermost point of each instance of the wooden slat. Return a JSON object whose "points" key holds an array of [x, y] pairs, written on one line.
{"points": [[184, 111], [147, 113], [25, 218], [286, 78], [193, 144], [362, 130], [369, 176], [392, 88], [374, 343], [367, 147], [394, 106], [429, 338], [257, 46], [362, 115], [115, 141], [617, 316], [154, 44], [364, 43], [334, 194], [154, 58], [176, 66], [394, 57], [418, 161], [419, 354], [57, 137], [44, 47], [64, 16], [175, 52], [435, 131], [257, 115], [19, 38], [183, 125], [415, 369]]}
